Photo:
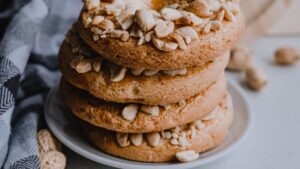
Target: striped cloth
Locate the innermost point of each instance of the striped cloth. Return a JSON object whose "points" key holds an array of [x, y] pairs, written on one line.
{"points": [[28, 69]]}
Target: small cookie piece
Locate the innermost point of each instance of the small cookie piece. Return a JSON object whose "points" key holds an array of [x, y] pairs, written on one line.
{"points": [[53, 160]]}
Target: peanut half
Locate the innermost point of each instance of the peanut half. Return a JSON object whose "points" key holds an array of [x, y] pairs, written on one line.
{"points": [[255, 78], [286, 56], [187, 156], [130, 111]]}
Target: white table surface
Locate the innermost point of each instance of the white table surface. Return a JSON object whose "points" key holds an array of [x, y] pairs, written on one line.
{"points": [[274, 141]]}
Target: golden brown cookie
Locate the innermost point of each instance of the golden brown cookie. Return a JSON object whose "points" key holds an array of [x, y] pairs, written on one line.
{"points": [[129, 54], [199, 136], [153, 90], [110, 115]]}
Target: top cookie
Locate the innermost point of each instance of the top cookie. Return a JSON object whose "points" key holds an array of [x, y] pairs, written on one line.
{"points": [[160, 34]]}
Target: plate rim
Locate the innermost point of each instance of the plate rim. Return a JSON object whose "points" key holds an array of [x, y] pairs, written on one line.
{"points": [[111, 162]]}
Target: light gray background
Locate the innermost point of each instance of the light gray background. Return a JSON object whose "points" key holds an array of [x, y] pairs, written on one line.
{"points": [[274, 141]]}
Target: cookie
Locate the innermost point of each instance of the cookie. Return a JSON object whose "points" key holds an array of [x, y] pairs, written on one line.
{"points": [[152, 90], [113, 116], [200, 136], [209, 36]]}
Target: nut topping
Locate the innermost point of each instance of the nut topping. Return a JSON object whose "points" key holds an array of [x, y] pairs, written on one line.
{"points": [[125, 19], [228, 14], [117, 73], [170, 14], [96, 37], [148, 36], [174, 141], [164, 46], [84, 66], [144, 19], [141, 41], [207, 28], [233, 7], [193, 132], [175, 72], [97, 20], [169, 46], [167, 134], [179, 39], [200, 8], [187, 156], [148, 72], [92, 4], [129, 112], [152, 110], [178, 136], [174, 134], [96, 30], [158, 43], [174, 6], [199, 125], [188, 31], [135, 31], [123, 35], [122, 139], [106, 25], [115, 8], [187, 39], [153, 138], [182, 141], [112, 10], [190, 19], [137, 18], [166, 107], [86, 20], [137, 72], [136, 4], [221, 15], [136, 139], [163, 29], [216, 25], [75, 61], [97, 64]]}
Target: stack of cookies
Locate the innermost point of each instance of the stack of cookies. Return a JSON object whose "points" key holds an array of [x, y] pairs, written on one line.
{"points": [[146, 77]]}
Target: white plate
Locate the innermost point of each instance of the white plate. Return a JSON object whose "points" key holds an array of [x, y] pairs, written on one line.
{"points": [[65, 127]]}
